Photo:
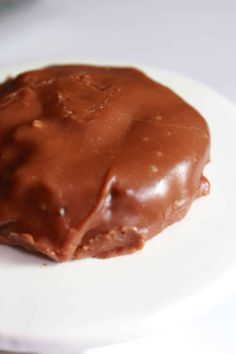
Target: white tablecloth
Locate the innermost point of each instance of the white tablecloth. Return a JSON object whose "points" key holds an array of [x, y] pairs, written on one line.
{"points": [[197, 38]]}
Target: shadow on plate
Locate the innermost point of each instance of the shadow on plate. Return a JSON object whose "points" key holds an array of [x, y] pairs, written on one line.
{"points": [[9, 6], [12, 256]]}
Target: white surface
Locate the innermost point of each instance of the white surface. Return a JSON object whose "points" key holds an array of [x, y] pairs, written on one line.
{"points": [[187, 269], [193, 37]]}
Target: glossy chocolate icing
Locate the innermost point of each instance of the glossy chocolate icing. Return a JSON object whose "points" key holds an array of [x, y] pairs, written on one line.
{"points": [[95, 160]]}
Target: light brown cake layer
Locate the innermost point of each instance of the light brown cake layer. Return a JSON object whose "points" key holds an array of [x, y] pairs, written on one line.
{"points": [[94, 160]]}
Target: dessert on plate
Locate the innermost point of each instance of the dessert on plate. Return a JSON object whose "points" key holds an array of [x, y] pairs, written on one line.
{"points": [[94, 161]]}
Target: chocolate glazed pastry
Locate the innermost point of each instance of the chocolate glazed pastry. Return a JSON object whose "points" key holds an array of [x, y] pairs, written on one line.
{"points": [[95, 160]]}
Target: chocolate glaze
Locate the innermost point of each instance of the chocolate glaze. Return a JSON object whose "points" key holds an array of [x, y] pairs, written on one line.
{"points": [[95, 160]]}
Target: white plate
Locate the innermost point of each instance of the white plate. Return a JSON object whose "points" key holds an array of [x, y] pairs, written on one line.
{"points": [[59, 308]]}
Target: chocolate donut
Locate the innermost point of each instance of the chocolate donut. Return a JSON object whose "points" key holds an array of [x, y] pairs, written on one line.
{"points": [[95, 160]]}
